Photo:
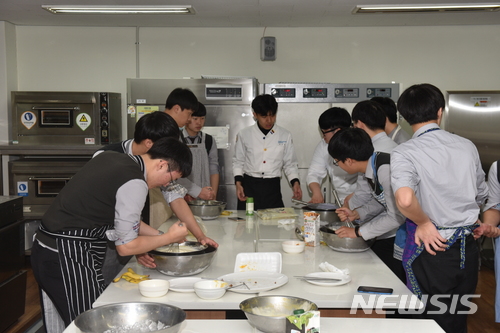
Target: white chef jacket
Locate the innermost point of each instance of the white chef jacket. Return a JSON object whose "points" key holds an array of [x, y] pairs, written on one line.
{"points": [[322, 165], [381, 142], [263, 156]]}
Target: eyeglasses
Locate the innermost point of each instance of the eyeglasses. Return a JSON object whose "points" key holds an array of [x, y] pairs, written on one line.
{"points": [[335, 162], [172, 181], [329, 131]]}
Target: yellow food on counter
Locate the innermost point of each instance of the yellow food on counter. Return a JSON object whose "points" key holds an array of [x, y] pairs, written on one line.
{"points": [[225, 213], [131, 276]]}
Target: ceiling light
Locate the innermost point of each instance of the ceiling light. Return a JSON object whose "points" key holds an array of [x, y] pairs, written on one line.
{"points": [[419, 8], [62, 9]]}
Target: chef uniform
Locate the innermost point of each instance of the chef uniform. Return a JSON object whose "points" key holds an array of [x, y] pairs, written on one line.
{"points": [[322, 165], [259, 158], [444, 171], [68, 253], [494, 203], [205, 163]]}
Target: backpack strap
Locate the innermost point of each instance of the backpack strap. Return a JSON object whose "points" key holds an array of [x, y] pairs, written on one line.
{"points": [[498, 170], [208, 142], [380, 159]]}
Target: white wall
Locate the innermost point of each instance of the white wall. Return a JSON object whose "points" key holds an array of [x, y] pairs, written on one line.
{"points": [[100, 59], [8, 75]]}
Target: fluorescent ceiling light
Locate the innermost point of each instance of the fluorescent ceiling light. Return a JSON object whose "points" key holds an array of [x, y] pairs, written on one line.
{"points": [[420, 8], [62, 9]]}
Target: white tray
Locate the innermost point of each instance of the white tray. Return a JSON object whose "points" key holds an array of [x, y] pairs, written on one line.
{"points": [[258, 261]]}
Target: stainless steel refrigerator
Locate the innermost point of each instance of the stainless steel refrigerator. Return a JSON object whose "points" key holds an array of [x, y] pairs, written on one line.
{"points": [[475, 115], [228, 102]]}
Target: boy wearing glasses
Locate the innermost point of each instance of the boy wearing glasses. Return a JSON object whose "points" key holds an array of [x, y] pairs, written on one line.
{"points": [[330, 122]]}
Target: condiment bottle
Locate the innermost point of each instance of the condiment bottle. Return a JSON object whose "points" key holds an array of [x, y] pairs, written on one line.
{"points": [[249, 206]]}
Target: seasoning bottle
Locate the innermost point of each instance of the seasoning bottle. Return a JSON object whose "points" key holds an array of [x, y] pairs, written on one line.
{"points": [[249, 206]]}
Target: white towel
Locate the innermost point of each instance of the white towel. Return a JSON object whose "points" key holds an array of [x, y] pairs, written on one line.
{"points": [[326, 267]]}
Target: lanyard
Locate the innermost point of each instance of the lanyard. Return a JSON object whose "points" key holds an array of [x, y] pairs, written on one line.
{"points": [[429, 130]]}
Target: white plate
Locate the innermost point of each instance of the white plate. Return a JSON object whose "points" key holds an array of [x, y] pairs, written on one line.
{"points": [[184, 284], [258, 261], [256, 281], [344, 279]]}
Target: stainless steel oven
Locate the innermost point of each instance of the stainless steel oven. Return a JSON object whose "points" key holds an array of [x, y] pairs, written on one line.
{"points": [[39, 181], [65, 118]]}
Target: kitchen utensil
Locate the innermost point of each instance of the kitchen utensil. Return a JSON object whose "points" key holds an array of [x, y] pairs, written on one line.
{"points": [[207, 209], [122, 315], [184, 263], [268, 313], [325, 210], [255, 281], [316, 278], [336, 243], [327, 279]]}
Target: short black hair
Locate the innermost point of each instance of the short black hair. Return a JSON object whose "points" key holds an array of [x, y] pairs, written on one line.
{"points": [[334, 118], [370, 113], [265, 104], [176, 153], [351, 143], [182, 97], [201, 112], [389, 107], [420, 103], [154, 126]]}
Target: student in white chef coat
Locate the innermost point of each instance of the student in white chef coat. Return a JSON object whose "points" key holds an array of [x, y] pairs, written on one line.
{"points": [[205, 171], [261, 152], [330, 122], [489, 227], [180, 105], [392, 129]]}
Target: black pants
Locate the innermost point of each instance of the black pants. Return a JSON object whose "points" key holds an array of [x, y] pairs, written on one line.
{"points": [[266, 192], [441, 275], [47, 272], [384, 249]]}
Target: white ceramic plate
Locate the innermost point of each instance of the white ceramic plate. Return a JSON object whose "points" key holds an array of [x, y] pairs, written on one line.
{"points": [[184, 284], [256, 281], [258, 261], [344, 279]]}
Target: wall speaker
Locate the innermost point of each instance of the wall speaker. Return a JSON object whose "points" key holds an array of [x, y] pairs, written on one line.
{"points": [[268, 48]]}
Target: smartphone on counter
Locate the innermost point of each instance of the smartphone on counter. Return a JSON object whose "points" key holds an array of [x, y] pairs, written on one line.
{"points": [[236, 218], [375, 290]]}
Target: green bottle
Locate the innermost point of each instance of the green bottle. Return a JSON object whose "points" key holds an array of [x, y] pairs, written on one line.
{"points": [[249, 206]]}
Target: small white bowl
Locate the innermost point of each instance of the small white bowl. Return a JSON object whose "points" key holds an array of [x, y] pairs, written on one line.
{"points": [[210, 289], [154, 287], [293, 246]]}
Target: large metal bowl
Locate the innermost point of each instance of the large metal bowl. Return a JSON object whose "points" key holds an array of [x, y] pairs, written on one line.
{"points": [[207, 209], [343, 244], [184, 263], [124, 315], [268, 313]]}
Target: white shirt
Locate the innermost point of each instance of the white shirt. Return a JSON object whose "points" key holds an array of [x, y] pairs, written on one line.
{"points": [[494, 189], [263, 156], [322, 165]]}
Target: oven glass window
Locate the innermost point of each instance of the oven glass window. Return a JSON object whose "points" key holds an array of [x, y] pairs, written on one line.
{"points": [[50, 187], [58, 118]]}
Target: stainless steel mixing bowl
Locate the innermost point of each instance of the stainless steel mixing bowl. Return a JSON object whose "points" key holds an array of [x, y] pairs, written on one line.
{"points": [[184, 263], [121, 315], [343, 244], [207, 209], [268, 313]]}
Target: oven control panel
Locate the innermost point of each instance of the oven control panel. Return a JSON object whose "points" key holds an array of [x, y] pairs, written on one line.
{"points": [[103, 102]]}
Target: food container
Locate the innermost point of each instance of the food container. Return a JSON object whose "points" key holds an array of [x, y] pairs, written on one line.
{"points": [[184, 263], [311, 228], [293, 246], [125, 315], [154, 287], [258, 261], [210, 289], [343, 244], [268, 313], [207, 209]]}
